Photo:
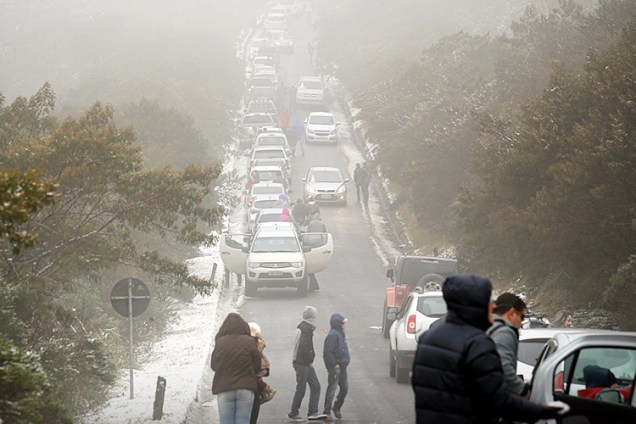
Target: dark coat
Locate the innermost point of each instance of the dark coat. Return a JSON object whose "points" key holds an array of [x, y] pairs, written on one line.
{"points": [[336, 351], [305, 353], [457, 374], [235, 358], [360, 176]]}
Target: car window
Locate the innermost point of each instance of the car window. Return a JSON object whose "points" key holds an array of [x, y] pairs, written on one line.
{"points": [[257, 119], [267, 190], [321, 120], [269, 154], [264, 204], [275, 244], [271, 141], [405, 306], [415, 268], [431, 306], [311, 85], [529, 350], [268, 175], [589, 371]]}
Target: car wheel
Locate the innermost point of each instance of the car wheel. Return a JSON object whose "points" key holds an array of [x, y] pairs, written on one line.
{"points": [[250, 288], [401, 374], [391, 362], [386, 324], [303, 286]]}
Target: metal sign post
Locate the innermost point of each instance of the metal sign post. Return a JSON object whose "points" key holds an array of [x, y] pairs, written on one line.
{"points": [[130, 297]]}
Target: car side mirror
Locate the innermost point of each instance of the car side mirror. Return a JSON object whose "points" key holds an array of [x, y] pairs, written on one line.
{"points": [[304, 179], [389, 273], [306, 249], [346, 180], [337, 123]]}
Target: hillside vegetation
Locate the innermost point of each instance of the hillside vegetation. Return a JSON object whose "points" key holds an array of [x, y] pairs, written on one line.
{"points": [[516, 148]]}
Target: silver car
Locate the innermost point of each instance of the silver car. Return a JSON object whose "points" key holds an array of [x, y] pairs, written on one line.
{"points": [[325, 185]]}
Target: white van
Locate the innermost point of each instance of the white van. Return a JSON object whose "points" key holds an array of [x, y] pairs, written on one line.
{"points": [[310, 90]]}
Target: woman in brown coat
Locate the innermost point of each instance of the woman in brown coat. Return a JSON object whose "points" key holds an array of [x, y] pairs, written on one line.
{"points": [[235, 361]]}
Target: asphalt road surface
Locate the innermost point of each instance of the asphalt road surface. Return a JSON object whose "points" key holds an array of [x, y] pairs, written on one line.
{"points": [[352, 285]]}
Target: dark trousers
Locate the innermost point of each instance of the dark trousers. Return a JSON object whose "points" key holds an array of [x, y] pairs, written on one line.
{"points": [[365, 192], [358, 189], [256, 407], [337, 377], [313, 282], [306, 375]]}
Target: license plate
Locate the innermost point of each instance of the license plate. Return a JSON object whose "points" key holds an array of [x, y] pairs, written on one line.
{"points": [[325, 196], [276, 273]]}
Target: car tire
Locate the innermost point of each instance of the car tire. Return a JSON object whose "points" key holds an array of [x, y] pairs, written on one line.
{"points": [[250, 288], [303, 286], [431, 282], [386, 324], [392, 364]]}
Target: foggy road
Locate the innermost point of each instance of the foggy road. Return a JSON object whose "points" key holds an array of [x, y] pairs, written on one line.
{"points": [[352, 285]]}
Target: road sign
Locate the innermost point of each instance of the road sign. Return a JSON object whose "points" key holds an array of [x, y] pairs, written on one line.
{"points": [[139, 297]]}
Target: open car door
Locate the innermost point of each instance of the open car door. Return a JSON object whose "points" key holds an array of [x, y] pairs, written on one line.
{"points": [[318, 248], [234, 248]]}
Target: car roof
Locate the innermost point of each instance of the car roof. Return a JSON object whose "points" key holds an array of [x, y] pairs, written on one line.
{"points": [[310, 78], [275, 226], [259, 114], [271, 211], [269, 184], [265, 148], [262, 197], [276, 233], [266, 168]]}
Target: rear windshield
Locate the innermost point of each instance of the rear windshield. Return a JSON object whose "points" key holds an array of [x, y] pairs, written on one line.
{"points": [[271, 141], [268, 175], [415, 268], [322, 120], [264, 204], [267, 190], [431, 306], [269, 154], [257, 119]]}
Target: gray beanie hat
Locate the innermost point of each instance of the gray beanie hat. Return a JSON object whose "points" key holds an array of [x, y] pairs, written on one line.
{"points": [[309, 315]]}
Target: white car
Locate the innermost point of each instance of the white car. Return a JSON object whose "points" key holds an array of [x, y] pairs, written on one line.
{"points": [[263, 189], [270, 152], [275, 20], [310, 91], [281, 40], [293, 7], [265, 71], [273, 138], [321, 127], [276, 258], [325, 185], [418, 312], [561, 369], [260, 202]]}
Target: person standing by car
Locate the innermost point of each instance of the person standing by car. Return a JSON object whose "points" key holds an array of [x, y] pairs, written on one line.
{"points": [[235, 362], [311, 207], [264, 392], [315, 226], [359, 176], [299, 212], [303, 360], [336, 356], [563, 319], [457, 375], [509, 312]]}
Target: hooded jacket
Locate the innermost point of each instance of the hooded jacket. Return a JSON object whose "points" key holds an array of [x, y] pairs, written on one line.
{"points": [[304, 353], [336, 351], [457, 374], [235, 358]]}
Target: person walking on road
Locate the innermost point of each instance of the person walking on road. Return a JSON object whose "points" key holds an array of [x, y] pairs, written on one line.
{"points": [[310, 50], [336, 356], [457, 376], [509, 312], [299, 133], [303, 361], [235, 362], [360, 176], [264, 392], [315, 226]]}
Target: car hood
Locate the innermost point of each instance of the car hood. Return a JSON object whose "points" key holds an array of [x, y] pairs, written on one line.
{"points": [[310, 90], [325, 186], [317, 127], [276, 257]]}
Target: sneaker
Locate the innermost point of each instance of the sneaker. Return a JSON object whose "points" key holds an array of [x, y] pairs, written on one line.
{"points": [[327, 418], [336, 413], [317, 417], [295, 418]]}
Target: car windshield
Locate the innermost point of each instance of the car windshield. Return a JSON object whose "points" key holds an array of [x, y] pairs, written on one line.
{"points": [[415, 268], [275, 244], [276, 18], [268, 217], [326, 176], [529, 350], [268, 175], [267, 190], [257, 119], [311, 85], [271, 141], [269, 154], [269, 162], [322, 120], [264, 204], [431, 306]]}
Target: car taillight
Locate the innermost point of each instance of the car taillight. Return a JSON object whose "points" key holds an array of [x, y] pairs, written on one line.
{"points": [[410, 324]]}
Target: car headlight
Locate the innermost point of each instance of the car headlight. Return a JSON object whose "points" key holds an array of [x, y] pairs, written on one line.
{"points": [[333, 132], [341, 189], [310, 189], [310, 131], [253, 264], [296, 264]]}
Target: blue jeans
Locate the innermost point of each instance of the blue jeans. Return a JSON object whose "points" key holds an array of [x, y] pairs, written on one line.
{"points": [[337, 377], [306, 374], [235, 406]]}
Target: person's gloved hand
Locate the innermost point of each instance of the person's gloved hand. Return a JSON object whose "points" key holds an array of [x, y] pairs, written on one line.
{"points": [[555, 409]]}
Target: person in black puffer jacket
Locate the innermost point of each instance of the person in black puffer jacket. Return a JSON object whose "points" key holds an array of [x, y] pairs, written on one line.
{"points": [[457, 376]]}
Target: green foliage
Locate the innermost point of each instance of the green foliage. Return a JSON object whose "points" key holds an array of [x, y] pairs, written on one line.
{"points": [[620, 294], [24, 391]]}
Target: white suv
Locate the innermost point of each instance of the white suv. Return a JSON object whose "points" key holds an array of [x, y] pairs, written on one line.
{"points": [[310, 90], [418, 312], [276, 258], [321, 127]]}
